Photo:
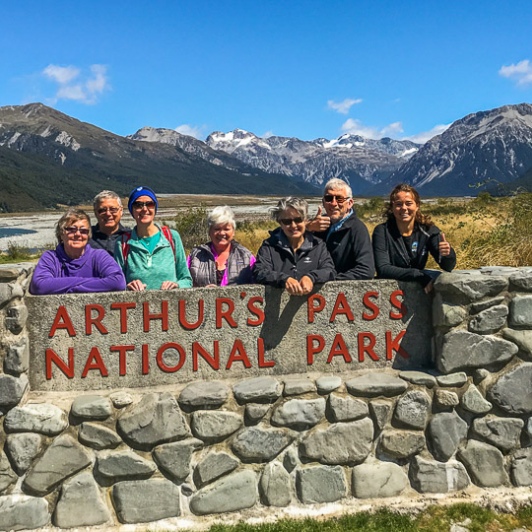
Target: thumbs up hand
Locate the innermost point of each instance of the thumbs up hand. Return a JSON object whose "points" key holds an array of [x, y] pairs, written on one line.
{"points": [[320, 222], [444, 247]]}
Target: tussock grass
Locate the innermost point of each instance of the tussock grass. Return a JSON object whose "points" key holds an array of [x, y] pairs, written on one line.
{"points": [[484, 231], [17, 253]]}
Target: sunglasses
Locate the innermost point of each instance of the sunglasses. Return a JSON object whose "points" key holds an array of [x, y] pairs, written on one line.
{"points": [[141, 204], [288, 221], [73, 230], [112, 210], [339, 199]]}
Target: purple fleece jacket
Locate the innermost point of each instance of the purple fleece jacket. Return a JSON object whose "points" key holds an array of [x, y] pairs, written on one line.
{"points": [[94, 271]]}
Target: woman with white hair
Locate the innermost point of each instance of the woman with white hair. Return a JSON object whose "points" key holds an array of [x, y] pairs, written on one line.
{"points": [[222, 261]]}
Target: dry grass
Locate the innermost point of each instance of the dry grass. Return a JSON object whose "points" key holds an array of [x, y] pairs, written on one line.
{"points": [[484, 231]]}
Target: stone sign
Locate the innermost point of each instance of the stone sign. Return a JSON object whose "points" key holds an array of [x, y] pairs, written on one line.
{"points": [[114, 340]]}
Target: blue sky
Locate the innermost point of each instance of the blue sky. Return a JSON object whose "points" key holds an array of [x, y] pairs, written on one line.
{"points": [[306, 69]]}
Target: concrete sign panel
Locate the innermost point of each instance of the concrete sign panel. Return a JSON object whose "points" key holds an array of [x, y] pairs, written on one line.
{"points": [[142, 339]]}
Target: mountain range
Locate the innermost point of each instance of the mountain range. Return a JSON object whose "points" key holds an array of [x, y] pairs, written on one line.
{"points": [[48, 158]]}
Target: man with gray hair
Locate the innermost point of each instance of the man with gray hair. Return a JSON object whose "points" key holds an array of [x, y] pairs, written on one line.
{"points": [[108, 210], [346, 236]]}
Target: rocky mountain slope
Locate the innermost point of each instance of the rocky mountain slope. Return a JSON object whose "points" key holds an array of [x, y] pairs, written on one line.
{"points": [[48, 158], [481, 151], [360, 161]]}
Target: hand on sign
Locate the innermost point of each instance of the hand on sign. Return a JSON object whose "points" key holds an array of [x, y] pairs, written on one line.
{"points": [[319, 222], [136, 286], [293, 287], [306, 284], [169, 285]]}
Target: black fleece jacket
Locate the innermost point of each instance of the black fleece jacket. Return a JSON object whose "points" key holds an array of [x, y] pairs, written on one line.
{"points": [[276, 261], [350, 249], [393, 261]]}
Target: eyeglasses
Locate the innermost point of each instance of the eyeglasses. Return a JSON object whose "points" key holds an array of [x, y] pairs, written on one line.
{"points": [[288, 221], [339, 199], [112, 210], [141, 204], [72, 230]]}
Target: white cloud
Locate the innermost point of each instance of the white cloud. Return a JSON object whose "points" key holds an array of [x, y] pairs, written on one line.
{"points": [[356, 127], [73, 85], [425, 136], [393, 130], [61, 74], [197, 132], [268, 134], [520, 72], [343, 106]]}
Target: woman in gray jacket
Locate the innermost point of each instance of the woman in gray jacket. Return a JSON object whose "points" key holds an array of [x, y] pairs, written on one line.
{"points": [[222, 261]]}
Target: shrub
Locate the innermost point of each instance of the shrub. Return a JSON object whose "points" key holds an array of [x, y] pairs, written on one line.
{"points": [[192, 227]]}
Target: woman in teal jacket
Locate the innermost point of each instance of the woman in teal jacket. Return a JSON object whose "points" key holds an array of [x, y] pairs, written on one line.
{"points": [[151, 256]]}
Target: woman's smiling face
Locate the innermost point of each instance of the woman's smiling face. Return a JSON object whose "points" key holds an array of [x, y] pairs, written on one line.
{"points": [[144, 210], [405, 208]]}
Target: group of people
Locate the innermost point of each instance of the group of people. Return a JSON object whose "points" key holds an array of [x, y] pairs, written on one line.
{"points": [[334, 245]]}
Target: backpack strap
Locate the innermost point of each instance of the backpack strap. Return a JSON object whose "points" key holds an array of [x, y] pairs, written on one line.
{"points": [[126, 235], [168, 235]]}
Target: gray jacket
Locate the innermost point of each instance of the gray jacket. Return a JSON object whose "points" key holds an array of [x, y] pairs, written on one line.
{"points": [[202, 265]]}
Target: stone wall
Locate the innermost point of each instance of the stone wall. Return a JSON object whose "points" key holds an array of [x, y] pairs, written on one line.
{"points": [[267, 443]]}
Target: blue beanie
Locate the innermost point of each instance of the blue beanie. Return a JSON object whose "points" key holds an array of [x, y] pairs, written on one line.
{"points": [[137, 193]]}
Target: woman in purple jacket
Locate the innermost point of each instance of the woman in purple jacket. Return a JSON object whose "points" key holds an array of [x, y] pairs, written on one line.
{"points": [[73, 266]]}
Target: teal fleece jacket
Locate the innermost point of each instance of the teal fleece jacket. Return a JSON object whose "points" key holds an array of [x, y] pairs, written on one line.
{"points": [[154, 268]]}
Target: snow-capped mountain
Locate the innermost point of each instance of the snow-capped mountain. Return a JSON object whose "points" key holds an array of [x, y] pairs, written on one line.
{"points": [[474, 153], [358, 160]]}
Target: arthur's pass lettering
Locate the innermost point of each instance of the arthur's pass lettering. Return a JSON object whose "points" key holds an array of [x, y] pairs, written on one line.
{"points": [[219, 333]]}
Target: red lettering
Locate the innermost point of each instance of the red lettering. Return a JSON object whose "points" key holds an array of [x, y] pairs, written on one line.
{"points": [[260, 351], [160, 360], [199, 350], [225, 314], [52, 357], [341, 306], [366, 349], [122, 351], [312, 308], [183, 315], [163, 316], [96, 321], [145, 359], [370, 305], [339, 348], [94, 361], [62, 321], [311, 349], [398, 304], [256, 311], [123, 308], [394, 344], [238, 354]]}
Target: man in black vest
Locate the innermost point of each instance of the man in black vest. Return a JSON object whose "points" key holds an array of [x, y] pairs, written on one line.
{"points": [[346, 235], [108, 211]]}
